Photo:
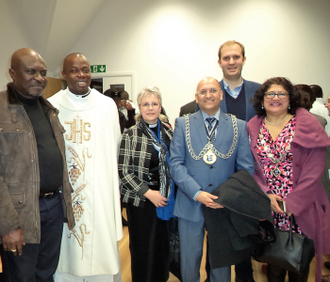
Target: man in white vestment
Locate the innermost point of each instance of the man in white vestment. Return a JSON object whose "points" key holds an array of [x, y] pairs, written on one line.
{"points": [[92, 137]]}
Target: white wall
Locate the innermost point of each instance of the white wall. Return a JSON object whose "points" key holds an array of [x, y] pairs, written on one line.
{"points": [[173, 44], [11, 39]]}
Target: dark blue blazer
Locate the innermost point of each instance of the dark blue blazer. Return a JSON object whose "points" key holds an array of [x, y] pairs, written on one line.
{"points": [[250, 88]]}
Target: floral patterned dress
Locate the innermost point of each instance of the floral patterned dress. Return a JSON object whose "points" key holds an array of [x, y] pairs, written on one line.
{"points": [[275, 157]]}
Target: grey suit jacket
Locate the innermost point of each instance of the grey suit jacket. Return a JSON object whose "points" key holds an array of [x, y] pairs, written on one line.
{"points": [[194, 175]]}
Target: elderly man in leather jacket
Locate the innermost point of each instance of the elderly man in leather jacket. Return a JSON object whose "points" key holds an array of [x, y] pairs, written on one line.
{"points": [[35, 193]]}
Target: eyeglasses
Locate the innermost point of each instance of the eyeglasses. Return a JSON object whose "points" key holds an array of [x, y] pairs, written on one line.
{"points": [[280, 94], [211, 91], [147, 105]]}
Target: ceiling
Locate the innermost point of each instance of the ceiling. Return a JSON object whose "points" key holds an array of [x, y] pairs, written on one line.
{"points": [[52, 27]]}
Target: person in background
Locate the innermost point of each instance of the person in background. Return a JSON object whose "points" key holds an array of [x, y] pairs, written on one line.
{"points": [[237, 95], [92, 137], [35, 192], [318, 106], [307, 99], [288, 145], [125, 110], [237, 92], [326, 176], [124, 95], [188, 108], [327, 104], [146, 183]]}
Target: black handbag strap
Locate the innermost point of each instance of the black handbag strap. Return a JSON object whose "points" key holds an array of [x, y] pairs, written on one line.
{"points": [[289, 243]]}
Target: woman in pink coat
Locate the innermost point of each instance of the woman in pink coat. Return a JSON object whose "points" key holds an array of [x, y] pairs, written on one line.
{"points": [[288, 145]]}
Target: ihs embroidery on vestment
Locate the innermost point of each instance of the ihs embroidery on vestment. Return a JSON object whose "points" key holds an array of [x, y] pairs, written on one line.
{"points": [[77, 134]]}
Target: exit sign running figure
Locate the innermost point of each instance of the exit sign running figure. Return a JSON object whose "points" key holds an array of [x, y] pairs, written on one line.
{"points": [[98, 68]]}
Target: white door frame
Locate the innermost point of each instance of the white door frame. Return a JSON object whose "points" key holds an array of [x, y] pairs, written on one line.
{"points": [[119, 78]]}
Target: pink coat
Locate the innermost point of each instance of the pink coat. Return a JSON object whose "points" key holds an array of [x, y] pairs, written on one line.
{"points": [[308, 200]]}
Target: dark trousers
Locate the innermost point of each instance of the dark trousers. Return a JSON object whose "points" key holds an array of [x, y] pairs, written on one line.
{"points": [[38, 262], [148, 244], [277, 274], [244, 270]]}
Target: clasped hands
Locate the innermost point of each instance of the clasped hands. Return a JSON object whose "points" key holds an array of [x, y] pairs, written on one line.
{"points": [[156, 198]]}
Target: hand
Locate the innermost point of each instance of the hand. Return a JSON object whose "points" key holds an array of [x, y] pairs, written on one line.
{"points": [[207, 199], [122, 103], [156, 198], [129, 106], [274, 199], [14, 241]]}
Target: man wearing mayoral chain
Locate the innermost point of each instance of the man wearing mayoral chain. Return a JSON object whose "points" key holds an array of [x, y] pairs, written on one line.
{"points": [[207, 147]]}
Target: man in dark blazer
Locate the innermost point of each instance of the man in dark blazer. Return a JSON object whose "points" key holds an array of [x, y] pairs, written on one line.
{"points": [[237, 95], [207, 147], [188, 108], [237, 92]]}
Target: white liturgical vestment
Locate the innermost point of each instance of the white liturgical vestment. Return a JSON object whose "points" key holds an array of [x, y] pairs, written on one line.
{"points": [[92, 135]]}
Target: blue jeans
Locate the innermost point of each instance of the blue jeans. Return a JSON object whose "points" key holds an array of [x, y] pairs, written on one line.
{"points": [[38, 262]]}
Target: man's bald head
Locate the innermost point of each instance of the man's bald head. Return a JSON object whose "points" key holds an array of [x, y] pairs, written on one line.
{"points": [[28, 71], [71, 57], [77, 73], [19, 55], [207, 79]]}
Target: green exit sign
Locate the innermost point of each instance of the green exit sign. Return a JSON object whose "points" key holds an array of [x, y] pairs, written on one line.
{"points": [[98, 68]]}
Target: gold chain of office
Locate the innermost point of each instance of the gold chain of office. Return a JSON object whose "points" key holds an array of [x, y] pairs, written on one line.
{"points": [[209, 145]]}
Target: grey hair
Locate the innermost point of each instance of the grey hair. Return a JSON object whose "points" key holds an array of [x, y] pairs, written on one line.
{"points": [[150, 90]]}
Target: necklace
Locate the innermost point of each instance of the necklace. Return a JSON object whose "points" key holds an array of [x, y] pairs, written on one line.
{"points": [[209, 153], [278, 122], [277, 155]]}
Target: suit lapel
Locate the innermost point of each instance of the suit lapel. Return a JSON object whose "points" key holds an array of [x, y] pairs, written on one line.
{"points": [[222, 130], [197, 132]]}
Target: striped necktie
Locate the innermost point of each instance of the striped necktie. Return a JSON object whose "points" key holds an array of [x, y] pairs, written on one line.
{"points": [[211, 133]]}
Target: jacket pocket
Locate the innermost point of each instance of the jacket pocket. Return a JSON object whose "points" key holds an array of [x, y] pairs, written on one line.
{"points": [[18, 200], [11, 143]]}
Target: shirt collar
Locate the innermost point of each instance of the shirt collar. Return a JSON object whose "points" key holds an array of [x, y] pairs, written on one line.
{"points": [[216, 115], [80, 96], [227, 88]]}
